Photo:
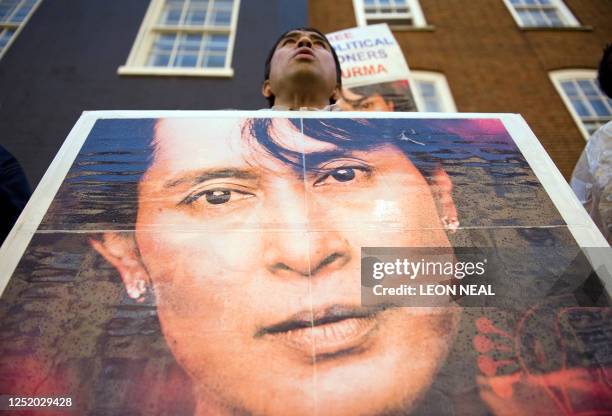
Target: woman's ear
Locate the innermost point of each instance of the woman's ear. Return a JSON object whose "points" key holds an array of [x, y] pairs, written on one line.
{"points": [[443, 194], [120, 250]]}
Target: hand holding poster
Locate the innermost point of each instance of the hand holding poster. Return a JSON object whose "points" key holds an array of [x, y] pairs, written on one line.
{"points": [[374, 72]]}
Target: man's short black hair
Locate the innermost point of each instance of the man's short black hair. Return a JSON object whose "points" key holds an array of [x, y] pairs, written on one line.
{"points": [[604, 73], [303, 29]]}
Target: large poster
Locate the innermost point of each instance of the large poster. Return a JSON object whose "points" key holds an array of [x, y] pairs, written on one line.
{"points": [[247, 263], [375, 75]]}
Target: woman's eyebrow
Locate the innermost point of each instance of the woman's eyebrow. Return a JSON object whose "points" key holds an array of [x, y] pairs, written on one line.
{"points": [[201, 176], [314, 160]]}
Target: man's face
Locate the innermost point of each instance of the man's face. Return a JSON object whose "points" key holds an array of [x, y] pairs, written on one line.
{"points": [[302, 58], [255, 267], [352, 101]]}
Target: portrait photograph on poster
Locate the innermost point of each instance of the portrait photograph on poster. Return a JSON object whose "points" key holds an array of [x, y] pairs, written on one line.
{"points": [[277, 263], [386, 96]]}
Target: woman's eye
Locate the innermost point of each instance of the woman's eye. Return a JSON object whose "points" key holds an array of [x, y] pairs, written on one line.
{"points": [[218, 196], [343, 174]]}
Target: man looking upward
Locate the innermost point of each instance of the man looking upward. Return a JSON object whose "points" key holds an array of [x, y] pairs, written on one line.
{"points": [[302, 72]]}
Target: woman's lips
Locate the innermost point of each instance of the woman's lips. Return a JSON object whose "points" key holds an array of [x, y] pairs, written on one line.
{"points": [[332, 338], [330, 332]]}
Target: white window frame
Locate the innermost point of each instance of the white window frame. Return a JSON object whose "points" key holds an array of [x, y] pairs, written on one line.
{"points": [[18, 27], [441, 86], [572, 74], [135, 64], [415, 13], [566, 15]]}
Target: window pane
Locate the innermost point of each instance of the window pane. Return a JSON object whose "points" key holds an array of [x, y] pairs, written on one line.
{"points": [[580, 108], [214, 61], [22, 11], [525, 17], [540, 18], [19, 15], [433, 106], [159, 60], [186, 60], [196, 17], [171, 15], [190, 43], [162, 50], [164, 42], [600, 108], [217, 43], [569, 88], [6, 9], [196, 12], [429, 96], [377, 10], [221, 18], [427, 89], [587, 86], [553, 18]]}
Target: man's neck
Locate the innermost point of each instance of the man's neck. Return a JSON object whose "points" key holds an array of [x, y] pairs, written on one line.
{"points": [[301, 100]]}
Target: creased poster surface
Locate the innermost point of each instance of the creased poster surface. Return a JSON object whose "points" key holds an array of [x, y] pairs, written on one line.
{"points": [[375, 75], [212, 264]]}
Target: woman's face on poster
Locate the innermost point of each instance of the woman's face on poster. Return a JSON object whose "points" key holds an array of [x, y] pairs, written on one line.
{"points": [[255, 266]]}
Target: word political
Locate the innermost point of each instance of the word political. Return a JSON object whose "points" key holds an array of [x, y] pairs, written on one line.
{"points": [[405, 267], [356, 51], [361, 44]]}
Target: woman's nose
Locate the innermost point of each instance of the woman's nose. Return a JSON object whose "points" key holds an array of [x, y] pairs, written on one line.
{"points": [[294, 247], [305, 253]]}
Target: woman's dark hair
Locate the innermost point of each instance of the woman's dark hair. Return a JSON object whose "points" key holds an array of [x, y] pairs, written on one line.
{"points": [[271, 98], [348, 135]]}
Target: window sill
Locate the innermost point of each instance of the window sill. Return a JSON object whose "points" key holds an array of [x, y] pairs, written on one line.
{"points": [[175, 72], [427, 28], [557, 28], [403, 28]]}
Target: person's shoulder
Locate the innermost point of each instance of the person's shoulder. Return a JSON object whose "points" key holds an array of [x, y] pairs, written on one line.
{"points": [[601, 140]]}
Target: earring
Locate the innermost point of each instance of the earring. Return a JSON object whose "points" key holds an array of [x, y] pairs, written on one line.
{"points": [[137, 290], [451, 224]]}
